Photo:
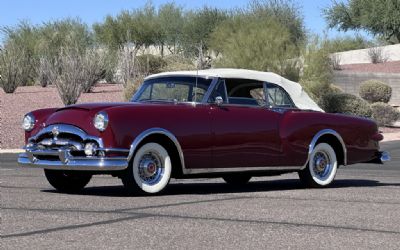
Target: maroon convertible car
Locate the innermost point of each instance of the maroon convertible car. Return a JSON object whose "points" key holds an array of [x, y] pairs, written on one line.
{"points": [[228, 123]]}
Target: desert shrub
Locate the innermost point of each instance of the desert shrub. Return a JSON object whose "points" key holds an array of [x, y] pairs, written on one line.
{"points": [[177, 62], [377, 55], [384, 114], [335, 89], [44, 72], [94, 63], [11, 68], [21, 39], [316, 90], [346, 43], [68, 74], [345, 103], [317, 62], [375, 91], [291, 70], [253, 43], [132, 87], [150, 64], [335, 61], [73, 71]]}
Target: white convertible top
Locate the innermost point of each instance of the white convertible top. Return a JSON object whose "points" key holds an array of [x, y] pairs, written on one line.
{"points": [[294, 89]]}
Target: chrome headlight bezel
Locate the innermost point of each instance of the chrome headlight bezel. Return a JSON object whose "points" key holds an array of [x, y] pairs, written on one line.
{"points": [[100, 121], [28, 123]]}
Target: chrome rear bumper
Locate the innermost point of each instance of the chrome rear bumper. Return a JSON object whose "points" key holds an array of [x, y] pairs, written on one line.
{"points": [[380, 157], [384, 156], [63, 160]]}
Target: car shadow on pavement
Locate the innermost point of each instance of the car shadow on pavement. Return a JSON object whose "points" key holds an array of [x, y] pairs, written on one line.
{"points": [[223, 188]]}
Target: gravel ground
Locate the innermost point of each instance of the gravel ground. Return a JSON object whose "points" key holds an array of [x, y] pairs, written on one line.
{"points": [[14, 106], [387, 67]]}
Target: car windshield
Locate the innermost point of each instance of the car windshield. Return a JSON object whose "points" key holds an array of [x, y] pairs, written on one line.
{"points": [[173, 89]]}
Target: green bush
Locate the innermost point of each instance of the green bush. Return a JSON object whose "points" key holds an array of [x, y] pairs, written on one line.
{"points": [[384, 114], [254, 43], [345, 103], [317, 62], [12, 65], [132, 87], [177, 62], [150, 64], [375, 91], [316, 90]]}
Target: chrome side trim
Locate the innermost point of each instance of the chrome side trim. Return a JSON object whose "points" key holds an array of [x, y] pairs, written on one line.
{"points": [[240, 169], [153, 131], [319, 135]]}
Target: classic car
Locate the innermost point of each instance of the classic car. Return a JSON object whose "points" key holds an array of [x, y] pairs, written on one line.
{"points": [[229, 123]]}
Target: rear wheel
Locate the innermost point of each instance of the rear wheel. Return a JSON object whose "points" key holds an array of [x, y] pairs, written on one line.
{"points": [[67, 181], [150, 170], [321, 168], [237, 180]]}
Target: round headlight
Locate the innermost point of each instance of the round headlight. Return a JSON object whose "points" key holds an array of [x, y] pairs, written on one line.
{"points": [[101, 121], [29, 122]]}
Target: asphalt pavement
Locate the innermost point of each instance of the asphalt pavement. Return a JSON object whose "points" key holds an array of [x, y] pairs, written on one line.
{"points": [[361, 210]]}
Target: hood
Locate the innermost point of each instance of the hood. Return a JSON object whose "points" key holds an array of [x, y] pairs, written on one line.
{"points": [[93, 106]]}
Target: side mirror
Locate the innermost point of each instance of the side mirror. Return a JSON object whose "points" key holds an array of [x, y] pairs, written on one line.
{"points": [[219, 100]]}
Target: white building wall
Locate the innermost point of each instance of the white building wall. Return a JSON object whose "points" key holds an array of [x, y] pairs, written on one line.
{"points": [[390, 52]]}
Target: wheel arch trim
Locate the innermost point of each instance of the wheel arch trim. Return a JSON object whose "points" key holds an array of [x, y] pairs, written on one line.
{"points": [[154, 131], [321, 133]]}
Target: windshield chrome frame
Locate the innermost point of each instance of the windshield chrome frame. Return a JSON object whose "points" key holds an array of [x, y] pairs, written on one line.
{"points": [[214, 81]]}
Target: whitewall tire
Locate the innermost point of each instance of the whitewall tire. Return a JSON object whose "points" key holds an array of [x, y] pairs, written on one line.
{"points": [[321, 168], [150, 171]]}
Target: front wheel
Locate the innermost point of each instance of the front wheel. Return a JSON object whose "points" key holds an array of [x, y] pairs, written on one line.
{"points": [[321, 168], [67, 181], [150, 171]]}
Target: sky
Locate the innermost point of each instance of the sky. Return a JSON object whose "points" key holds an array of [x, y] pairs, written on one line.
{"points": [[92, 11]]}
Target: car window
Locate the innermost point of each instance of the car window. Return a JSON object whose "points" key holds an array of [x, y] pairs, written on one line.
{"points": [[170, 91], [173, 89], [245, 92], [277, 97], [220, 90]]}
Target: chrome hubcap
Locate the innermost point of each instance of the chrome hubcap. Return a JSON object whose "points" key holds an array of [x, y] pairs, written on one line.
{"points": [[322, 164], [150, 168]]}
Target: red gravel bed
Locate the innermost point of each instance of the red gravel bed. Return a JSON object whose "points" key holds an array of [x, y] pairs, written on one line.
{"points": [[14, 106], [387, 67]]}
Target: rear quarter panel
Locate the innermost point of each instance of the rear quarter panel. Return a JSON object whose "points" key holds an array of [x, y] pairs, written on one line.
{"points": [[299, 127]]}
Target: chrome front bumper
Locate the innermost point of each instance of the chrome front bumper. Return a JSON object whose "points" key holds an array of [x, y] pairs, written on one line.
{"points": [[61, 146], [65, 161]]}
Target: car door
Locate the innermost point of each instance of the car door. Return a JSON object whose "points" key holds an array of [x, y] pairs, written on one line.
{"points": [[245, 132]]}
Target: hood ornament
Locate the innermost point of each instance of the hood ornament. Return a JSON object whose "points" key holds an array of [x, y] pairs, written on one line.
{"points": [[55, 132]]}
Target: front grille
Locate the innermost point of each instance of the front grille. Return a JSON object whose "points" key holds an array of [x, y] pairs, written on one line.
{"points": [[61, 137]]}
